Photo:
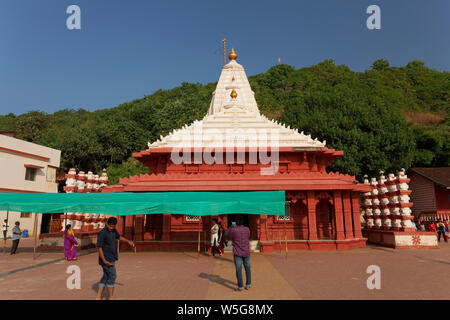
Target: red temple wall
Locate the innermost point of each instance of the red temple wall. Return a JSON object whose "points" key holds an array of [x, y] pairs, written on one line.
{"points": [[442, 198]]}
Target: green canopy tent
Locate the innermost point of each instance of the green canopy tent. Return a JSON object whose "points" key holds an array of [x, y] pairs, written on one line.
{"points": [[130, 203]]}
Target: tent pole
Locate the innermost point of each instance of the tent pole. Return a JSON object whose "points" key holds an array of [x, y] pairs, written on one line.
{"points": [[35, 235], [204, 241], [134, 234], [6, 233], [279, 237], [285, 237], [118, 241], [198, 246]]}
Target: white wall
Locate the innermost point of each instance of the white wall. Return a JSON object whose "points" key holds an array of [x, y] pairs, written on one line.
{"points": [[15, 154]]}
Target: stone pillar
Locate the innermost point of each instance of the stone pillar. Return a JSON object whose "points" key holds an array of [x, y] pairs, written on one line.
{"points": [[165, 235], [263, 226], [338, 215], [312, 227], [356, 215], [347, 215], [129, 224], [139, 230]]}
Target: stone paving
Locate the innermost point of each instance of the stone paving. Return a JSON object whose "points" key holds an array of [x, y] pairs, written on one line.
{"points": [[405, 274]]}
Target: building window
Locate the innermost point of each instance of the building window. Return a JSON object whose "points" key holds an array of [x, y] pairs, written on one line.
{"points": [[25, 215], [30, 174], [192, 218]]}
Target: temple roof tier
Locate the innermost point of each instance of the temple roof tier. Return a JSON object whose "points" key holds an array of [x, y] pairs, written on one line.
{"points": [[234, 118]]}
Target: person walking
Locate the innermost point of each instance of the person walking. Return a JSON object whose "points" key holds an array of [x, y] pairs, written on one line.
{"points": [[441, 231], [107, 256], [240, 235], [15, 237], [215, 237], [70, 253], [222, 241]]}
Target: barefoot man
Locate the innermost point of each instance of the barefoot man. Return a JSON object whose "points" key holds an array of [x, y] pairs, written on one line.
{"points": [[107, 256]]}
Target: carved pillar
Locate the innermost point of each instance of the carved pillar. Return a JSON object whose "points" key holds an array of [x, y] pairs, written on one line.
{"points": [[129, 225], [263, 226], [356, 215], [165, 236], [139, 227], [338, 215], [347, 215], [312, 234]]}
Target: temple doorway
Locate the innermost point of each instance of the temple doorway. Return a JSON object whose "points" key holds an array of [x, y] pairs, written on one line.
{"points": [[232, 218]]}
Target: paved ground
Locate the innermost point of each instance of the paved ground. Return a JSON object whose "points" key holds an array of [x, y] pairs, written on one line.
{"points": [[405, 274]]}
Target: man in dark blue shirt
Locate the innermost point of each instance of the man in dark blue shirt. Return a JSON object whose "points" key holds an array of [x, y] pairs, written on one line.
{"points": [[107, 256]]}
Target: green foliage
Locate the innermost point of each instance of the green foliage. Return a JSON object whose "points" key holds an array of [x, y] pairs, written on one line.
{"points": [[130, 167], [380, 64], [383, 118]]}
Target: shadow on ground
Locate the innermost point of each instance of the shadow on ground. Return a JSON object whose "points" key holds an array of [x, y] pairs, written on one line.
{"points": [[217, 279], [105, 295]]}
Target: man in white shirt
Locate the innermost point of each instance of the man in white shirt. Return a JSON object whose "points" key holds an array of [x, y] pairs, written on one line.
{"points": [[215, 237], [15, 237]]}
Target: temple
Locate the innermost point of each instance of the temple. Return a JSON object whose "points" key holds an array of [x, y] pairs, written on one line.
{"points": [[236, 148]]}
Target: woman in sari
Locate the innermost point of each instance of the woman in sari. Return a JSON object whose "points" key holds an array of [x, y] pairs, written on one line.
{"points": [[69, 244]]}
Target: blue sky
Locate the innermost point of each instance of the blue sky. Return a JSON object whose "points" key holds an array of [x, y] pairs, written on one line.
{"points": [[128, 49]]}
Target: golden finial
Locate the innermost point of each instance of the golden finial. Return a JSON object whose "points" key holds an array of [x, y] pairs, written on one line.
{"points": [[232, 55], [233, 94]]}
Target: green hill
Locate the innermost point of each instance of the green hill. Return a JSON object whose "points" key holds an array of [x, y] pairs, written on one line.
{"points": [[384, 118]]}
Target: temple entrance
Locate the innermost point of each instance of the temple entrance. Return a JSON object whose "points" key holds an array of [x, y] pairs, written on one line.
{"points": [[232, 218], [324, 220], [248, 222]]}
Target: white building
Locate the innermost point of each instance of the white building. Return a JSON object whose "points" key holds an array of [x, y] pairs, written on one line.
{"points": [[26, 167]]}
